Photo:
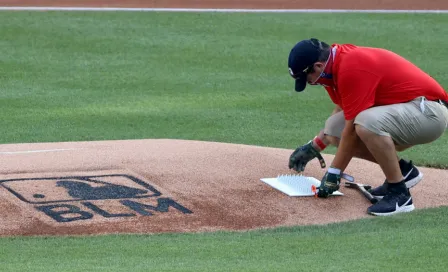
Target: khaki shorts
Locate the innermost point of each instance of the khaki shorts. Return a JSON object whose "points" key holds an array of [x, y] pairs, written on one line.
{"points": [[417, 122]]}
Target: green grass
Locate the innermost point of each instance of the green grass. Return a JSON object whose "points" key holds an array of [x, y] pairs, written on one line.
{"points": [[408, 242], [72, 76]]}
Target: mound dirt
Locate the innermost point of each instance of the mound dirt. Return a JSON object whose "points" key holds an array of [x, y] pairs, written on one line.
{"points": [[152, 186]]}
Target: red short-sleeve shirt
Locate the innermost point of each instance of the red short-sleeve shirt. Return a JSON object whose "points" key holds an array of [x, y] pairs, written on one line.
{"points": [[365, 77]]}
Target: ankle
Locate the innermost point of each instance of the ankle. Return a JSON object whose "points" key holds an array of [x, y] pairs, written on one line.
{"points": [[397, 187], [405, 166]]}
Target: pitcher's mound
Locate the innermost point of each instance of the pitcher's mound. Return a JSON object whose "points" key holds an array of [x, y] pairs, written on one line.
{"points": [[150, 186]]}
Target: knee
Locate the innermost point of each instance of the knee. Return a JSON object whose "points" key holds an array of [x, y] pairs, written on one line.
{"points": [[362, 132], [333, 128], [333, 140], [400, 148]]}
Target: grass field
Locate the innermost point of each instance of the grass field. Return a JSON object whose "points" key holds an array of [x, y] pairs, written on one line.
{"points": [[81, 76], [402, 243]]}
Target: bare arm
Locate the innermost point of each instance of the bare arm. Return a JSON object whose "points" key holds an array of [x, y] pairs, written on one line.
{"points": [[347, 147]]}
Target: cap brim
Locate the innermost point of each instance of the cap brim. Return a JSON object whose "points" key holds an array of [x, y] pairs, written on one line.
{"points": [[300, 84]]}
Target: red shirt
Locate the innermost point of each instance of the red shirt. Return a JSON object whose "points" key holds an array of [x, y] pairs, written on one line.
{"points": [[365, 77]]}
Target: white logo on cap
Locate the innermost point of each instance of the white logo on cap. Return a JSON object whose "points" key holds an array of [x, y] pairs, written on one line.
{"points": [[291, 72]]}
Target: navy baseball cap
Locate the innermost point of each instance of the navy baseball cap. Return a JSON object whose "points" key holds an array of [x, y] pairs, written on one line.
{"points": [[302, 56]]}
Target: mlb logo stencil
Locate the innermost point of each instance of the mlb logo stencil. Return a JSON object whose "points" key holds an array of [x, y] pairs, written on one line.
{"points": [[72, 198], [76, 188]]}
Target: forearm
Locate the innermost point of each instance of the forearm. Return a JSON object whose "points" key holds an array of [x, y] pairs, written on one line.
{"points": [[347, 147]]}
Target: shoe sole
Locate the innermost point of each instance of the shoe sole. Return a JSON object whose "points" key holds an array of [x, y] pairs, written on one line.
{"points": [[408, 208], [409, 184]]}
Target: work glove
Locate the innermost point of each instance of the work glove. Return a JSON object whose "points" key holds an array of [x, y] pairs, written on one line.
{"points": [[302, 155], [329, 184]]}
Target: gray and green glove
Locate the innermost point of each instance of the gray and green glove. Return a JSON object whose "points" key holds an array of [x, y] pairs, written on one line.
{"points": [[329, 184], [302, 155]]}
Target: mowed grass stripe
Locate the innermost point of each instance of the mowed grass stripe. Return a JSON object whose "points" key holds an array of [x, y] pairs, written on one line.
{"points": [[95, 67], [220, 77]]}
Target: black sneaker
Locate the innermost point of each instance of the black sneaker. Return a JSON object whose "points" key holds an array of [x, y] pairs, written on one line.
{"points": [[412, 176], [392, 203]]}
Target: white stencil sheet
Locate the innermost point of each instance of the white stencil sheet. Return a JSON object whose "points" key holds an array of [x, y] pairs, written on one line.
{"points": [[295, 185]]}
